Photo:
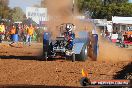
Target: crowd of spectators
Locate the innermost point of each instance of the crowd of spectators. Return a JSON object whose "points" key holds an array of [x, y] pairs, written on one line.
{"points": [[24, 32]]}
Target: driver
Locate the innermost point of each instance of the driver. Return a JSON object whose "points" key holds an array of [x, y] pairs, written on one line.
{"points": [[69, 35]]}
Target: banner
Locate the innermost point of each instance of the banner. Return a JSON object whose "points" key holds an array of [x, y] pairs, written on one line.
{"points": [[36, 14]]}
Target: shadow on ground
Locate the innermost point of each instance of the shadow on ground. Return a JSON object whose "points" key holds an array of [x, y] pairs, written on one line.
{"points": [[36, 86], [125, 73], [22, 57], [37, 58]]}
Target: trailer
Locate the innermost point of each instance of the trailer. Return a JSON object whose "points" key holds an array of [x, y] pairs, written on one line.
{"points": [[67, 45]]}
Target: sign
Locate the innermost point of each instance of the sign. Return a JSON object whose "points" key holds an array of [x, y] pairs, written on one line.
{"points": [[36, 14], [100, 22]]}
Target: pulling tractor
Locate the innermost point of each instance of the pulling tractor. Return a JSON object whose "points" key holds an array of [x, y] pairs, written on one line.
{"points": [[66, 45]]}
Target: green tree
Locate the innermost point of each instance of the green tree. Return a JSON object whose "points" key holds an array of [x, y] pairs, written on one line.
{"points": [[113, 1], [4, 10], [105, 8], [17, 14]]}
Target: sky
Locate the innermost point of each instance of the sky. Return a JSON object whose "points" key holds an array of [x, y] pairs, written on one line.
{"points": [[130, 0], [23, 3]]}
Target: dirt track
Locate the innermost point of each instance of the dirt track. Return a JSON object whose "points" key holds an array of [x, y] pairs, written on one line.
{"points": [[20, 65], [17, 69]]}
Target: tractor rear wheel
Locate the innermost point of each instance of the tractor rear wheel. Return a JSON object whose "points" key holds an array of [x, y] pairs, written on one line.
{"points": [[46, 45]]}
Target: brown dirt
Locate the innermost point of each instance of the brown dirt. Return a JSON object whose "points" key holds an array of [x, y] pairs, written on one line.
{"points": [[20, 70]]}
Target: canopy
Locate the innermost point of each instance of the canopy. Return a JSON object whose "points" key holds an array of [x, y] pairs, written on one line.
{"points": [[121, 20]]}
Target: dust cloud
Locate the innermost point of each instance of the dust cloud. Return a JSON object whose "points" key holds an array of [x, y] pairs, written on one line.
{"points": [[61, 11], [110, 52]]}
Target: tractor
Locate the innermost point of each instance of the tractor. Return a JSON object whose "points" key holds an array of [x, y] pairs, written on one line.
{"points": [[125, 39], [66, 45]]}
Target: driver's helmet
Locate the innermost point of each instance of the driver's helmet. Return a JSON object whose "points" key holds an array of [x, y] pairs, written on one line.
{"points": [[69, 28]]}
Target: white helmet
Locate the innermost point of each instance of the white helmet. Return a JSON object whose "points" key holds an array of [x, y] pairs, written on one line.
{"points": [[69, 28]]}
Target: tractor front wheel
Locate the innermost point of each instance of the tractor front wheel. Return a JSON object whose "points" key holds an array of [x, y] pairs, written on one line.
{"points": [[73, 57], [46, 56], [84, 53]]}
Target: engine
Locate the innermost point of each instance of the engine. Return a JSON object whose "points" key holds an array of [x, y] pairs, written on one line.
{"points": [[65, 41]]}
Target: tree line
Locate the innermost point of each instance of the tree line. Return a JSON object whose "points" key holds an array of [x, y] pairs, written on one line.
{"points": [[98, 9], [105, 9], [13, 14]]}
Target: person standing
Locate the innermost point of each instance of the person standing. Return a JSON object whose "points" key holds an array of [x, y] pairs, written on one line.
{"points": [[2, 31], [25, 28], [29, 35], [12, 32]]}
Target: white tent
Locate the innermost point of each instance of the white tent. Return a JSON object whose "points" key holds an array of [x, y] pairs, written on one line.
{"points": [[121, 20]]}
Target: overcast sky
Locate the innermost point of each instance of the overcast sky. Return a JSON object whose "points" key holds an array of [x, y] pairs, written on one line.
{"points": [[23, 3]]}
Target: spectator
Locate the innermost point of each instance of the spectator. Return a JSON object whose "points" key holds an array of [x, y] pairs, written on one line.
{"points": [[2, 32], [24, 32], [12, 32], [29, 35], [18, 31]]}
